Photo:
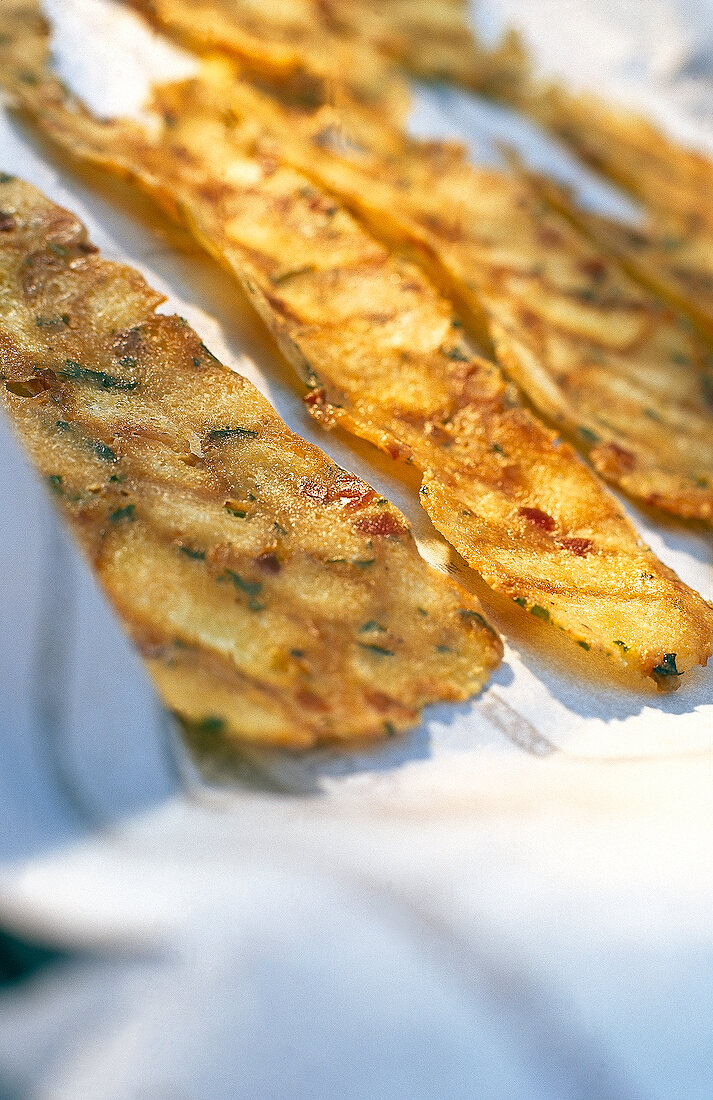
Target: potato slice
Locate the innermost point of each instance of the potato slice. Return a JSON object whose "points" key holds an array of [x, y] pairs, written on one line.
{"points": [[385, 357], [275, 598]]}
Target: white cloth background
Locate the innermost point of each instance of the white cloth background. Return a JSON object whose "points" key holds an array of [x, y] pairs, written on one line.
{"points": [[513, 902]]}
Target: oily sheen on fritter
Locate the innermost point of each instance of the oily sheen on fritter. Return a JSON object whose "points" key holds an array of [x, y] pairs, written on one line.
{"points": [[274, 597], [385, 357], [597, 355]]}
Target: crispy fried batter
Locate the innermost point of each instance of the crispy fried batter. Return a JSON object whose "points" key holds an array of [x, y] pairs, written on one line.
{"points": [[385, 357], [284, 41], [594, 353], [274, 597]]}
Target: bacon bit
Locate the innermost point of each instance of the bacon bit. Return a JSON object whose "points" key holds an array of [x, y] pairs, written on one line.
{"points": [[594, 267], [617, 457], [549, 237], [269, 562], [382, 703], [383, 526], [579, 547], [539, 518], [310, 701], [7, 222], [346, 489]]}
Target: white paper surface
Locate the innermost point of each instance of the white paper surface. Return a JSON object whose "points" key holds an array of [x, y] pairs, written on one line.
{"points": [[515, 900]]}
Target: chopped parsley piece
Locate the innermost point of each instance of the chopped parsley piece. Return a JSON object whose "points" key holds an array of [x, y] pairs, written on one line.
{"points": [[239, 512], [371, 625], [58, 249], [520, 601], [212, 723], [588, 435], [5, 178], [667, 667], [584, 645], [217, 435], [76, 373], [457, 354], [540, 613], [443, 649], [364, 562], [103, 452], [195, 555], [251, 588], [52, 322], [622, 645], [127, 513], [380, 649], [55, 483]]}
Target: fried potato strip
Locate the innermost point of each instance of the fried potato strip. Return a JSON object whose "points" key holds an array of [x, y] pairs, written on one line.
{"points": [[595, 354], [274, 597], [285, 41], [385, 357], [432, 40], [664, 254]]}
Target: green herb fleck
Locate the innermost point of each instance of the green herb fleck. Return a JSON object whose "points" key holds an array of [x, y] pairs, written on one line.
{"points": [[443, 649], [498, 450], [457, 354], [520, 601], [389, 729], [667, 667], [371, 625], [6, 178], [195, 555], [380, 649], [64, 426], [364, 562], [76, 373], [55, 483], [128, 361], [422, 611], [283, 276], [297, 653], [584, 645], [103, 452], [196, 362], [58, 249], [212, 723], [52, 322], [680, 359], [622, 645], [540, 613], [588, 435], [127, 513], [217, 435], [280, 530]]}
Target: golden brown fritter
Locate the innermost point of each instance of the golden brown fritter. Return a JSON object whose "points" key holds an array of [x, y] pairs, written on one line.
{"points": [[275, 597], [598, 356], [385, 357]]}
